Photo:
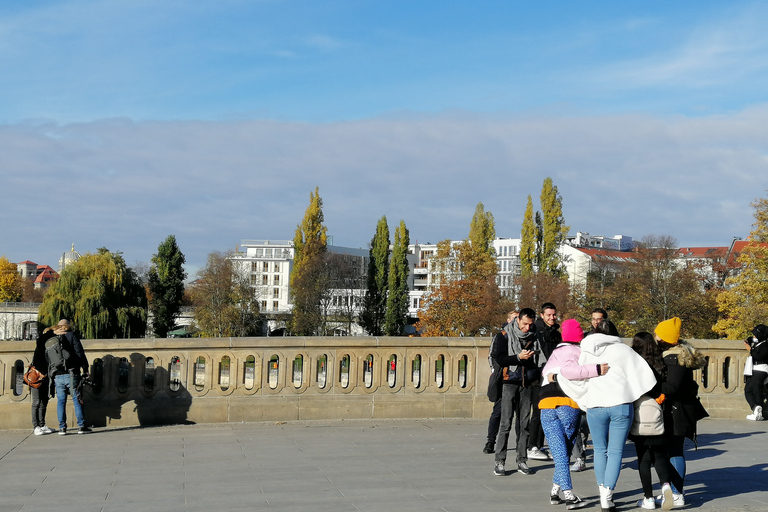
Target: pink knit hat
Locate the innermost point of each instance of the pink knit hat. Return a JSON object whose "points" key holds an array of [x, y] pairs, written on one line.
{"points": [[572, 331]]}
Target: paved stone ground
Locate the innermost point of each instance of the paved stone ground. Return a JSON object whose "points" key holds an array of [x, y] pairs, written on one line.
{"points": [[375, 465]]}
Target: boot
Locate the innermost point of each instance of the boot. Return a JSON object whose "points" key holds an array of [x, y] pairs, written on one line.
{"points": [[606, 499]]}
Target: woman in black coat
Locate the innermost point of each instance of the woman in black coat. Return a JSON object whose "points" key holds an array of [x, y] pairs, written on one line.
{"points": [[754, 389], [40, 394]]}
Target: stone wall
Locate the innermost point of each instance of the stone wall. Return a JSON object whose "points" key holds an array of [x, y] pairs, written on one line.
{"points": [[164, 381]]}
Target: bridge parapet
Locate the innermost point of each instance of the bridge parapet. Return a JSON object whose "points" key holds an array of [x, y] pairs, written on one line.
{"points": [[214, 380]]}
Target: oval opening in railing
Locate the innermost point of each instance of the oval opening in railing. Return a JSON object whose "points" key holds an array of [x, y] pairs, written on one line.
{"points": [[298, 371], [224, 366], [322, 371], [123, 374], [199, 372], [274, 368], [18, 377], [174, 374], [416, 371], [149, 374], [368, 371], [463, 372], [97, 375], [727, 372], [249, 372], [439, 365], [344, 371], [392, 371], [705, 374]]}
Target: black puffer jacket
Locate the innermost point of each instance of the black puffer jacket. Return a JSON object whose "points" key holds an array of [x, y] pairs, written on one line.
{"points": [[682, 408]]}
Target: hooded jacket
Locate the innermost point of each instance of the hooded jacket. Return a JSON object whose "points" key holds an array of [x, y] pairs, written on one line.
{"points": [[682, 408], [506, 354], [627, 379]]}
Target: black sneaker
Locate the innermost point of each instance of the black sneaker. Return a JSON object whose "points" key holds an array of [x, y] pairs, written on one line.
{"points": [[499, 470], [84, 430], [523, 468], [63, 431], [555, 499], [574, 503], [488, 447]]}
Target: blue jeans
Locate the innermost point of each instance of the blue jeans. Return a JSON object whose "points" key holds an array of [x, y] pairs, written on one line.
{"points": [[67, 384], [609, 427]]}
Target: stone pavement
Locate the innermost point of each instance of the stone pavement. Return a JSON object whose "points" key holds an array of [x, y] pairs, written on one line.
{"points": [[364, 465]]}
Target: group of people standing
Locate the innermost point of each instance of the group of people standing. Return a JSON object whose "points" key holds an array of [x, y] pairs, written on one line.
{"points": [[60, 356], [549, 377]]}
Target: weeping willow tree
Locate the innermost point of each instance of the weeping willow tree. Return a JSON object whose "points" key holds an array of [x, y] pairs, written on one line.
{"points": [[100, 295]]}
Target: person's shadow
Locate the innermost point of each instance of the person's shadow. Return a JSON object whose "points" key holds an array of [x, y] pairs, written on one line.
{"points": [[157, 400]]}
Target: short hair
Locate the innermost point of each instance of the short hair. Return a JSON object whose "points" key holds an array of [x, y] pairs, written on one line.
{"points": [[602, 312], [606, 327], [547, 305], [528, 313]]}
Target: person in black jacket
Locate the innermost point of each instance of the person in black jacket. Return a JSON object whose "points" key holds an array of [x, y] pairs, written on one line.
{"points": [[514, 355], [681, 405], [548, 335], [40, 394], [67, 380], [755, 386], [494, 388]]}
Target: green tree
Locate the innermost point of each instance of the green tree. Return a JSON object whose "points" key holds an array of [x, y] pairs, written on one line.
{"points": [[375, 305], [166, 286], [744, 302], [482, 230], [100, 295], [11, 282], [528, 242], [308, 282], [553, 230], [397, 298]]}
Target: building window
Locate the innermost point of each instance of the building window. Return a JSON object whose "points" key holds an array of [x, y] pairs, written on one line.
{"points": [[274, 305], [254, 266], [264, 279], [276, 293], [265, 267], [253, 280], [277, 267], [277, 280], [264, 305]]}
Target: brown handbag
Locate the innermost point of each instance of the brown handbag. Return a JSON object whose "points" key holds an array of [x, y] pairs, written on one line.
{"points": [[33, 378]]}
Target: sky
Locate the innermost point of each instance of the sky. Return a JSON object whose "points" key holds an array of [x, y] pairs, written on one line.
{"points": [[124, 122]]}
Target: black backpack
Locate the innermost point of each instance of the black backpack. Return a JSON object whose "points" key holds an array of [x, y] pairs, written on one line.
{"points": [[59, 353]]}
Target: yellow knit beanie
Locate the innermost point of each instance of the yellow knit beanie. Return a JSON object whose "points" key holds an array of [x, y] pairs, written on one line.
{"points": [[669, 330]]}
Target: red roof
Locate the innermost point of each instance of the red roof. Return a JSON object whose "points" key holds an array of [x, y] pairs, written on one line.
{"points": [[607, 254], [27, 262], [702, 252]]}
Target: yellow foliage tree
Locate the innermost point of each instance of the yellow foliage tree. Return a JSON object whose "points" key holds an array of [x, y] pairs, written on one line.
{"points": [[744, 303], [11, 282]]}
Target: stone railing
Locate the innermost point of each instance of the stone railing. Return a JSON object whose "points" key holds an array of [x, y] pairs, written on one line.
{"points": [[162, 381]]}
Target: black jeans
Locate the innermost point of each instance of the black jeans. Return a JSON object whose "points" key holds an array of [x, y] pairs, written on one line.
{"points": [[656, 456], [515, 400], [753, 390], [39, 403], [494, 421]]}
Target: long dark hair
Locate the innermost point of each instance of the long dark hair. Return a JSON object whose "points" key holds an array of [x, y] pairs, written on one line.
{"points": [[645, 344]]}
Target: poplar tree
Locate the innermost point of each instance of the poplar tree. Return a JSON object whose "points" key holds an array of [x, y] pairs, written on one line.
{"points": [[100, 295], [744, 302], [482, 230], [308, 279], [166, 286], [528, 242], [375, 305], [397, 298], [553, 230]]}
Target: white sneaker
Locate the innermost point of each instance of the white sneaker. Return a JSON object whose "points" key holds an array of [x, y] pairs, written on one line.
{"points": [[647, 503], [678, 500], [759, 413], [579, 465], [667, 498], [536, 454], [38, 431], [47, 430]]}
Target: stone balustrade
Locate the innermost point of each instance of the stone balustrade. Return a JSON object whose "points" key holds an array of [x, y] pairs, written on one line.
{"points": [[212, 380]]}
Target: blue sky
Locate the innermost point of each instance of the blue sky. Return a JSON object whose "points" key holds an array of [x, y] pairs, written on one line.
{"points": [[214, 120]]}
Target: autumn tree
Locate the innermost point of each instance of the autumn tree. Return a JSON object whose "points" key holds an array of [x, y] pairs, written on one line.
{"points": [[375, 305], [225, 304], [465, 298], [11, 282], [744, 302], [553, 230], [100, 295], [166, 286], [482, 230], [307, 277], [397, 297]]}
